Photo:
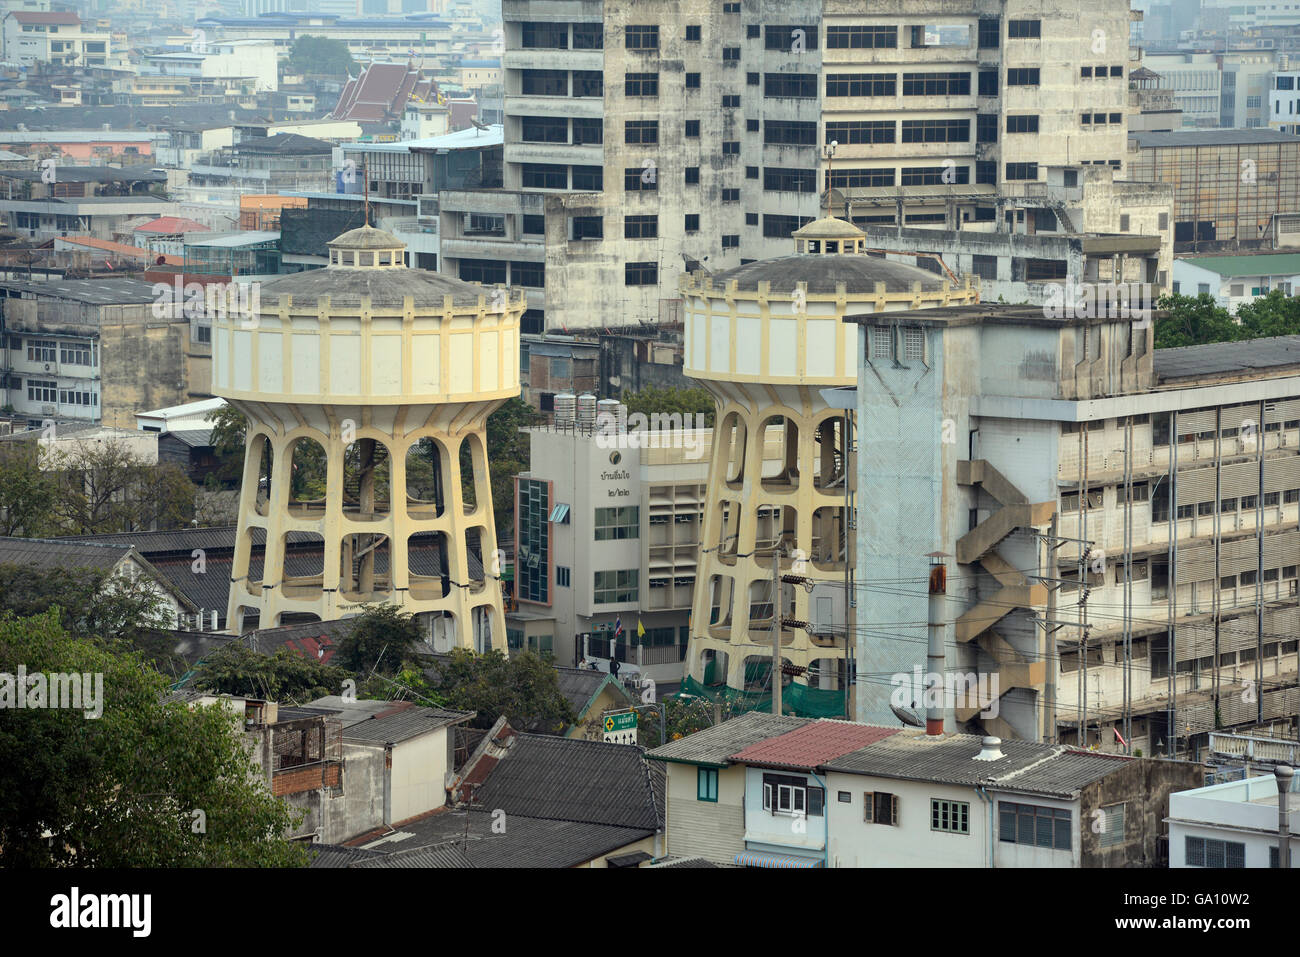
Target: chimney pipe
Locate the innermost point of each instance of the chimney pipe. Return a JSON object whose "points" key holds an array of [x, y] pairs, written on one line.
{"points": [[934, 654]]}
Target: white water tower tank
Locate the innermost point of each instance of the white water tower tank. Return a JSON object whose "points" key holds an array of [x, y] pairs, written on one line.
{"points": [[586, 412]]}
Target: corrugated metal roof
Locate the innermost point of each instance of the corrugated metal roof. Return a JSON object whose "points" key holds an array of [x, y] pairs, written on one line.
{"points": [[716, 745], [1066, 773], [1223, 137], [812, 745], [403, 725], [435, 855], [43, 553], [571, 779]]}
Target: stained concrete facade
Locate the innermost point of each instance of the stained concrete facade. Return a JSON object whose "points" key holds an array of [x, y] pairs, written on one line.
{"points": [[725, 111]]}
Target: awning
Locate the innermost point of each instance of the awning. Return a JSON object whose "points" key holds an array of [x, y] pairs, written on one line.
{"points": [[761, 859], [560, 515]]}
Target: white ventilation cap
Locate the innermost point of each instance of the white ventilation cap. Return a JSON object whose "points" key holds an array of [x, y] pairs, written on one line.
{"points": [[991, 750]]}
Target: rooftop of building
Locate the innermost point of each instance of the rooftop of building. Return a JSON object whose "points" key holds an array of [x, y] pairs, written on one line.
{"points": [[90, 174], [1212, 137], [1271, 264], [859, 274], [284, 144], [716, 745], [95, 292], [171, 225], [812, 745], [1217, 359], [50, 554]]}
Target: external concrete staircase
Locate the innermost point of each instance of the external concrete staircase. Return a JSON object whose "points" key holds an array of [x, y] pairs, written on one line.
{"points": [[979, 546]]}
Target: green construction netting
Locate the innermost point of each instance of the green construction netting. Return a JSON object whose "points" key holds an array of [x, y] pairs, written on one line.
{"points": [[796, 699]]}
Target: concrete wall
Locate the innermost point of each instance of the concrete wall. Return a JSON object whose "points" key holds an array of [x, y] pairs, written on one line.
{"points": [[1144, 786], [418, 775]]}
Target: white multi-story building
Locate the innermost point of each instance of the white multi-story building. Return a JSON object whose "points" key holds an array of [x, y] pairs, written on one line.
{"points": [[1233, 824], [57, 38], [607, 529], [219, 65], [1234, 281]]}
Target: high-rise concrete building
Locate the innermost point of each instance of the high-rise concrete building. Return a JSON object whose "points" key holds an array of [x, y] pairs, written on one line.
{"points": [[767, 340], [682, 129], [386, 375], [1122, 524]]}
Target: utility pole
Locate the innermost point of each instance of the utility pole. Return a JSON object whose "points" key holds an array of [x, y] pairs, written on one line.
{"points": [[776, 629], [934, 713]]}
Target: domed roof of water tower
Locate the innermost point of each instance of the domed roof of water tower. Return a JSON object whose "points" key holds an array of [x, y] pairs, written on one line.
{"points": [[830, 251], [370, 262]]}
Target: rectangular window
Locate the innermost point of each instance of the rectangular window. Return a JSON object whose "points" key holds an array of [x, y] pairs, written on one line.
{"points": [[618, 523], [706, 784], [588, 227], [861, 84], [640, 274], [1024, 29], [791, 133], [42, 350], [936, 131], [692, 224], [861, 38], [692, 81], [790, 38], [731, 241], [587, 131], [544, 36], [852, 178], [588, 83], [1112, 825], [693, 33], [731, 147], [781, 179], [528, 274], [990, 33], [692, 129], [589, 178], [692, 175], [640, 227], [641, 132], [544, 176], [952, 817], [641, 84], [1022, 76], [615, 587], [988, 83], [561, 576], [1022, 124], [936, 84], [933, 175], [751, 172], [731, 195], [1035, 825], [544, 129], [859, 131], [731, 101], [985, 267], [41, 391], [798, 85], [986, 128], [782, 227], [637, 179], [880, 807], [1022, 171], [545, 82], [1207, 852], [730, 54], [642, 37]]}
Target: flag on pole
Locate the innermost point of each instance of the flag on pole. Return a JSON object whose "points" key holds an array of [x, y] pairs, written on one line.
{"points": [[1119, 737], [618, 628], [640, 628]]}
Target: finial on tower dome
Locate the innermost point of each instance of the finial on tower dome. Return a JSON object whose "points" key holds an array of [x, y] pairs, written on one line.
{"points": [[829, 235], [366, 248]]}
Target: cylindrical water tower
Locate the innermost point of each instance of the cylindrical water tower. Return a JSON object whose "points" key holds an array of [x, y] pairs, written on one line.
{"points": [[765, 339], [381, 379]]}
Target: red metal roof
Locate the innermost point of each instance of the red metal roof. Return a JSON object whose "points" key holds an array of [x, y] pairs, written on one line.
{"points": [[814, 744], [169, 225]]}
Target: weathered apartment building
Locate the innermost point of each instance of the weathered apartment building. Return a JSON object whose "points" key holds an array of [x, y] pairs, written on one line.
{"points": [[97, 350], [666, 131], [1121, 524]]}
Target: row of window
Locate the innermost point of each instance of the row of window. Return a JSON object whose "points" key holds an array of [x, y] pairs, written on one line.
{"points": [[616, 586], [39, 390]]}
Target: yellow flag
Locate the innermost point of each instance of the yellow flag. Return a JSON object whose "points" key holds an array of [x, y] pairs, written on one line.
{"points": [[640, 629]]}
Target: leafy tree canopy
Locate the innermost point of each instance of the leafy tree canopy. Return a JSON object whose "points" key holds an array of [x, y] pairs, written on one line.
{"points": [[524, 688], [685, 402], [383, 638], [238, 670], [312, 54], [122, 790]]}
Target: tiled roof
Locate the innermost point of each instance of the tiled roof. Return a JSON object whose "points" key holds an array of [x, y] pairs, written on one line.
{"points": [[435, 855], [716, 745], [403, 723], [169, 225], [284, 144], [581, 686], [570, 779], [525, 842], [43, 553], [812, 745], [336, 855]]}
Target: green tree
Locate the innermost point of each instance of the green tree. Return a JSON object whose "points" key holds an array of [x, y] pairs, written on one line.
{"points": [[26, 492], [1194, 321], [106, 487], [284, 676], [321, 55], [383, 638], [92, 603], [229, 428], [121, 790], [508, 455], [684, 402], [1275, 314], [525, 688]]}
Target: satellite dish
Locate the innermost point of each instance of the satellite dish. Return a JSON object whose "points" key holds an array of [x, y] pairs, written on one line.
{"points": [[478, 125], [908, 716]]}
